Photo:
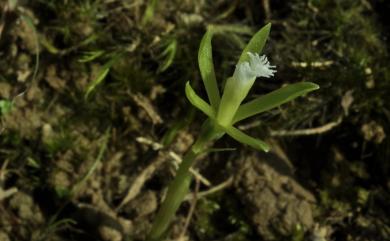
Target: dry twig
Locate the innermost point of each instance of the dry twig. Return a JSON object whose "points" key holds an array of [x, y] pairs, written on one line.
{"points": [[212, 190], [308, 132], [176, 158]]}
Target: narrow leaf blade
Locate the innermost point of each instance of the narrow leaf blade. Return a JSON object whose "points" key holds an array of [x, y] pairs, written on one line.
{"points": [[256, 44], [168, 55], [149, 12], [92, 86], [245, 139], [273, 99], [206, 67], [198, 102], [101, 75]]}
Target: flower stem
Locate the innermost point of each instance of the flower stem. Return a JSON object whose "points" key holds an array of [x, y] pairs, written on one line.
{"points": [[179, 187]]}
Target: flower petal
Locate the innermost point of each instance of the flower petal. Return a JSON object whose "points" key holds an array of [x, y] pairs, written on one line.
{"points": [[260, 65]]}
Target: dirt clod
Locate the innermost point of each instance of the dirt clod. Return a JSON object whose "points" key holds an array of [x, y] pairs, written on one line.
{"points": [[25, 208], [373, 131], [4, 236], [109, 234], [145, 204], [274, 202]]}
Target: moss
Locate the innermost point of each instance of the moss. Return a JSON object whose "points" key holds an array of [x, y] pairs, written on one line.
{"points": [[78, 37], [219, 217]]}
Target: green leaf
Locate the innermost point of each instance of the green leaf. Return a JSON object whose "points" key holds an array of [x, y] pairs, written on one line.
{"points": [[99, 79], [101, 75], [76, 188], [198, 102], [5, 106], [149, 12], [245, 139], [256, 44], [168, 55], [206, 67], [170, 135], [90, 56], [210, 150], [273, 99]]}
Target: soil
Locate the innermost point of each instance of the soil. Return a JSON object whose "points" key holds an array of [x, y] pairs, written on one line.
{"points": [[94, 119]]}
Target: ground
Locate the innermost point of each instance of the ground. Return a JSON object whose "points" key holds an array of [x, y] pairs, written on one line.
{"points": [[94, 120]]}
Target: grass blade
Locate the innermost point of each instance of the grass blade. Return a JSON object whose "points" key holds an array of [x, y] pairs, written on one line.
{"points": [[101, 75]]}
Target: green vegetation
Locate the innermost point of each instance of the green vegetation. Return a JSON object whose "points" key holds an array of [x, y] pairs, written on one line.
{"points": [[92, 98]]}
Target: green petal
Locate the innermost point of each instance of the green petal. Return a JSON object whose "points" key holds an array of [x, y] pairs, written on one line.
{"points": [[273, 99], [256, 44], [245, 139], [206, 66], [198, 102]]}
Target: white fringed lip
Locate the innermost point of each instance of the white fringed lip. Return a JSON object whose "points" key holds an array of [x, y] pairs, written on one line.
{"points": [[257, 66]]}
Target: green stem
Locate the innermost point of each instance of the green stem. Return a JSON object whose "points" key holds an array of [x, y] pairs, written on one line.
{"points": [[179, 187]]}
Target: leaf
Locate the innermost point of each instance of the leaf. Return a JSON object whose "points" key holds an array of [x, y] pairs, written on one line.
{"points": [[90, 56], [101, 75], [245, 139], [168, 55], [5, 106], [273, 99], [149, 12], [170, 135], [198, 102], [256, 43], [76, 188], [206, 67], [210, 150]]}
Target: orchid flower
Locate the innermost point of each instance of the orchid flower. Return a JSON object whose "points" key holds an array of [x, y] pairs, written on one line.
{"points": [[238, 86], [224, 112], [229, 109]]}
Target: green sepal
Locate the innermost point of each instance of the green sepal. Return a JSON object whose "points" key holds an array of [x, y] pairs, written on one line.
{"points": [[206, 67], [198, 102], [245, 139], [256, 43], [273, 99]]}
